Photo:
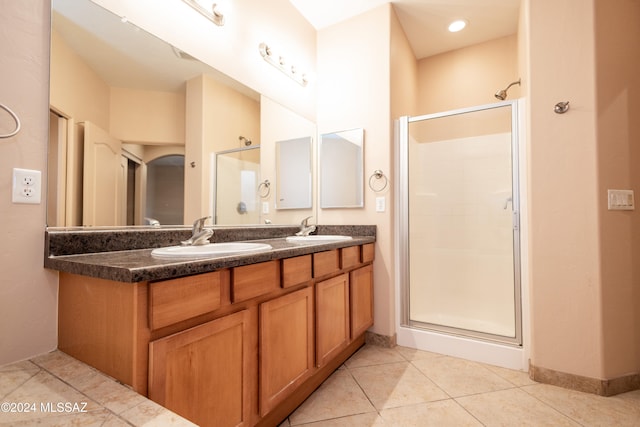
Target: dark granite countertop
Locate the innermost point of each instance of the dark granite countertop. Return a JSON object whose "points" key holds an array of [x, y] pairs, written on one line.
{"points": [[138, 265]]}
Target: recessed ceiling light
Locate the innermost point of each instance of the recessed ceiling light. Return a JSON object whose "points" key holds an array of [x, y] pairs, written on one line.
{"points": [[457, 25]]}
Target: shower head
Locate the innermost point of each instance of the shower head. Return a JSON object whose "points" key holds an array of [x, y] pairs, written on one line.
{"points": [[502, 94], [247, 142]]}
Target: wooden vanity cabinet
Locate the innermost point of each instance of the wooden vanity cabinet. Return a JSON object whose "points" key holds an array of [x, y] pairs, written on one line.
{"points": [[361, 300], [175, 300], [241, 346], [286, 346], [205, 372], [332, 317], [104, 324]]}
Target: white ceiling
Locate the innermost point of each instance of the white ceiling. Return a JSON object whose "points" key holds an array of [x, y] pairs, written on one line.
{"points": [[425, 22], [100, 37]]}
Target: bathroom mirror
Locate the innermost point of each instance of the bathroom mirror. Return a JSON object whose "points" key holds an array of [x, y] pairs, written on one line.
{"points": [[142, 90], [294, 173], [341, 169]]}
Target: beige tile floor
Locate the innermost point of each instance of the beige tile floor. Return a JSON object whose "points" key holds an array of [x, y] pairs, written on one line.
{"points": [[57, 390], [375, 387], [405, 387]]}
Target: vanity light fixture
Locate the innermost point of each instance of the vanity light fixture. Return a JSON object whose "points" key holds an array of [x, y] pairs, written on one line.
{"points": [[209, 9], [278, 61], [457, 25]]}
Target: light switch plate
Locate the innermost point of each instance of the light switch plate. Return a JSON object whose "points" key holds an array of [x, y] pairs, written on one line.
{"points": [[381, 204], [620, 200]]}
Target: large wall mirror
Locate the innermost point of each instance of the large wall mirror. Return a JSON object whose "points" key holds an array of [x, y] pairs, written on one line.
{"points": [[341, 169], [143, 112]]}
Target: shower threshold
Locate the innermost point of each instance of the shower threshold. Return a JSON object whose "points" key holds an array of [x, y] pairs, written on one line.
{"points": [[466, 333]]}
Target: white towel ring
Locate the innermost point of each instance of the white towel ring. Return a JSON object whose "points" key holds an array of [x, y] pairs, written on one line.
{"points": [[15, 118]]}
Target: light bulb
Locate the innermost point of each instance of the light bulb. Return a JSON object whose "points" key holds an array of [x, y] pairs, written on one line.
{"points": [[457, 25]]}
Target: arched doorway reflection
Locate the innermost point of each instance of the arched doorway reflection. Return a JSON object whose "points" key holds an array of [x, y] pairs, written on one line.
{"points": [[165, 190]]}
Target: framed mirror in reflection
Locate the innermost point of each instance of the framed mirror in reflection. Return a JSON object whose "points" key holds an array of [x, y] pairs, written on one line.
{"points": [[341, 169], [294, 173], [150, 103]]}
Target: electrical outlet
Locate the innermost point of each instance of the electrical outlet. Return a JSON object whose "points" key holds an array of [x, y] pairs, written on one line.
{"points": [[27, 186]]}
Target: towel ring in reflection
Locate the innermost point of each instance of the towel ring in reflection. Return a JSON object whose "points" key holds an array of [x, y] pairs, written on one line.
{"points": [[378, 174], [264, 189], [15, 118]]}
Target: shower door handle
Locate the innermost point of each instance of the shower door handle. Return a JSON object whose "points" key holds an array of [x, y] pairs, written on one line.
{"points": [[516, 220]]}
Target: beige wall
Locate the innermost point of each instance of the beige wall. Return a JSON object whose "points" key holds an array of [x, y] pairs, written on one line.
{"points": [[216, 116], [404, 73], [142, 116], [147, 117], [28, 292], [584, 292], [354, 92], [617, 30], [468, 76], [76, 90], [565, 270]]}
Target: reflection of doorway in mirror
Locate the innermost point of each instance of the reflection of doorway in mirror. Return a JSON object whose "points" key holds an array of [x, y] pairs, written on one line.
{"points": [[165, 190], [56, 171]]}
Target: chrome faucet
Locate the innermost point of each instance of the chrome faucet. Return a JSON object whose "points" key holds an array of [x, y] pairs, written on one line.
{"points": [[305, 228], [200, 235]]}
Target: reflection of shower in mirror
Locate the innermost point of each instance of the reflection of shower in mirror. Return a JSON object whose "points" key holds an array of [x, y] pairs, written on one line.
{"points": [[502, 94], [247, 142]]}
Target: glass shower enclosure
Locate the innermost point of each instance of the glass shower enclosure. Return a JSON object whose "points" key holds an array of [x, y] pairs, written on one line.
{"points": [[459, 223]]}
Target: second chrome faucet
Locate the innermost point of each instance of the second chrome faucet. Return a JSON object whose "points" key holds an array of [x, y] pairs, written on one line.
{"points": [[199, 234], [305, 228]]}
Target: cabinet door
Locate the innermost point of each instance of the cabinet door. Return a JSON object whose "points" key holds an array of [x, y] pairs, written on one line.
{"points": [[204, 373], [361, 300], [332, 317], [286, 346]]}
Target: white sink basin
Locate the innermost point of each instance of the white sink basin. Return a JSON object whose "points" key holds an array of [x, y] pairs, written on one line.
{"points": [[212, 249], [318, 238]]}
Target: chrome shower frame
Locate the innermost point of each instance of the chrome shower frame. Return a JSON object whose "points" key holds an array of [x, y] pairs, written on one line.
{"points": [[402, 226]]}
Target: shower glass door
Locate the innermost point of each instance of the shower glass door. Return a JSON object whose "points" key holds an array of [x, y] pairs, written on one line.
{"points": [[461, 223]]}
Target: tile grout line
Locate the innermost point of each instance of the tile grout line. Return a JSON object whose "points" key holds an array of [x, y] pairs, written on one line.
{"points": [[22, 383], [548, 405], [84, 394], [361, 389], [410, 362], [452, 398]]}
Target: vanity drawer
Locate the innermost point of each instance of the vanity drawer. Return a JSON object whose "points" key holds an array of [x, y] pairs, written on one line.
{"points": [[350, 257], [326, 262], [368, 252], [296, 270], [253, 280], [175, 300]]}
